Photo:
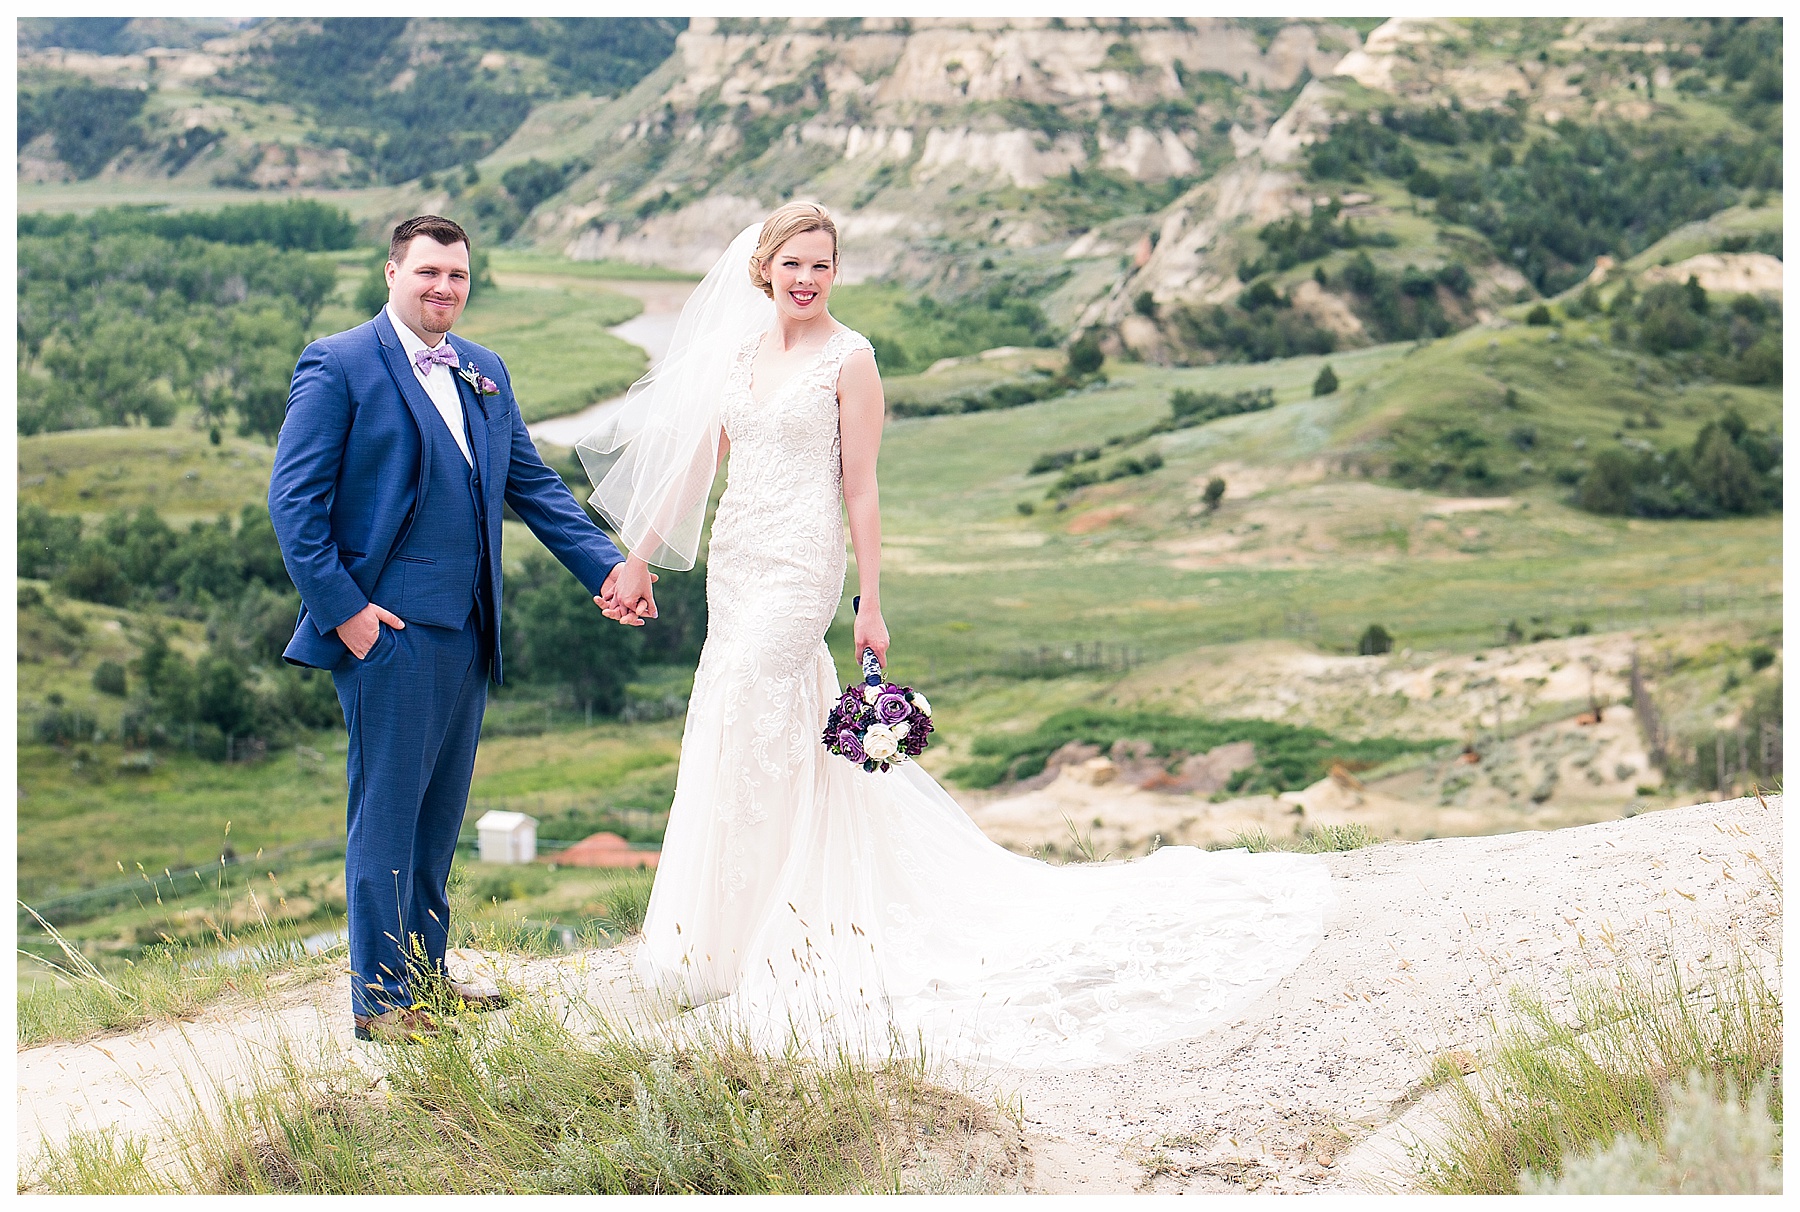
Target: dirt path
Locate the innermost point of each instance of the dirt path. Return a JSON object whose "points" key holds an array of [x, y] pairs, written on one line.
{"points": [[1313, 1088]]}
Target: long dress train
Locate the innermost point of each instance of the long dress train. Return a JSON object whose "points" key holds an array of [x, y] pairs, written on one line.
{"points": [[808, 900]]}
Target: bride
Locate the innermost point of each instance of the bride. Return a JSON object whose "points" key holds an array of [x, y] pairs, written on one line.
{"points": [[807, 898]]}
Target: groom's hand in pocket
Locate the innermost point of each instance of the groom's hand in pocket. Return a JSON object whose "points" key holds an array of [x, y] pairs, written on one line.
{"points": [[360, 631]]}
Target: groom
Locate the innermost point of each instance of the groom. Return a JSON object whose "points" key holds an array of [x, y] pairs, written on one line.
{"points": [[401, 445]]}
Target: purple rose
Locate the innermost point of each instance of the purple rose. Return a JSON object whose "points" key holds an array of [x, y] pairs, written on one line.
{"points": [[850, 745], [891, 708], [489, 387]]}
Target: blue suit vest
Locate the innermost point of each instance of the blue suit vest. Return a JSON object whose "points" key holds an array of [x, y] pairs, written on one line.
{"points": [[438, 572]]}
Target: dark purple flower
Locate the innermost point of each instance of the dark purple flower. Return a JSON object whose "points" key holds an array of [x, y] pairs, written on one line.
{"points": [[891, 708], [489, 387], [850, 745]]}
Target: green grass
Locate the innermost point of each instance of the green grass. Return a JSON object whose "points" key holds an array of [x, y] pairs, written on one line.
{"points": [[1459, 386], [507, 262], [168, 981], [1559, 1085], [1705, 236], [1711, 1145], [553, 337], [96, 471], [970, 580], [1286, 756], [83, 816], [1325, 839], [546, 316], [543, 1099]]}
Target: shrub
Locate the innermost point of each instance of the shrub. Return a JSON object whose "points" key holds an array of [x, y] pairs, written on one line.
{"points": [[534, 181], [1558, 1086], [1189, 408], [1326, 383], [1710, 1146], [64, 726], [1538, 316], [1214, 494], [1294, 241], [109, 678], [1286, 756], [1085, 356], [1729, 470], [1233, 334], [1059, 459], [1375, 641]]}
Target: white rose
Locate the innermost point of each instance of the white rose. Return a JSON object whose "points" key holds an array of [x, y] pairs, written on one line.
{"points": [[924, 706], [901, 729], [880, 743], [871, 693]]}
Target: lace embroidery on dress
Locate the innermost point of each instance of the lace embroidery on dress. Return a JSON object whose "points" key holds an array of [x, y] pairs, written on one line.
{"points": [[835, 906]]}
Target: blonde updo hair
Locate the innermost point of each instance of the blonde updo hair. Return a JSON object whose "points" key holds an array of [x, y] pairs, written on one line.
{"points": [[787, 222]]}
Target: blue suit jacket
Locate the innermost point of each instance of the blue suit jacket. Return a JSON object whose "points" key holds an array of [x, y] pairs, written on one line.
{"points": [[349, 468]]}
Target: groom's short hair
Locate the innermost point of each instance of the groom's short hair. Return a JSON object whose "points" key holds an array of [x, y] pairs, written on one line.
{"points": [[444, 231]]}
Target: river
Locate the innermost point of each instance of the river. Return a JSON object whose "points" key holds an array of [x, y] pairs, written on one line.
{"points": [[650, 330]]}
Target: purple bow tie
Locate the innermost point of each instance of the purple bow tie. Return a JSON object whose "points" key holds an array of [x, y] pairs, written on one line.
{"points": [[442, 355]]}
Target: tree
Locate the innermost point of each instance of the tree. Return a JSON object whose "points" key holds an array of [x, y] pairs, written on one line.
{"points": [[1215, 493], [1375, 641], [1326, 383], [1085, 356], [1538, 317], [94, 576], [1606, 488], [677, 633], [560, 637], [534, 181], [206, 565], [372, 291], [1723, 475]]}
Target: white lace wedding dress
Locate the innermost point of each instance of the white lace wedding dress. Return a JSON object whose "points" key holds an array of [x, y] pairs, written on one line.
{"points": [[809, 900]]}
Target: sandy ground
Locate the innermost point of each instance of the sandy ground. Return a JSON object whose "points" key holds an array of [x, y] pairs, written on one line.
{"points": [[1314, 1087]]}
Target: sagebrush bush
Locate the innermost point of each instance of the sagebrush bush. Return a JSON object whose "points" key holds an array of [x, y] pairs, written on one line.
{"points": [[1710, 1146]]}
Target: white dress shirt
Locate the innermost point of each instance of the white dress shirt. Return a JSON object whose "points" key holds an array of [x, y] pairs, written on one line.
{"points": [[440, 384]]}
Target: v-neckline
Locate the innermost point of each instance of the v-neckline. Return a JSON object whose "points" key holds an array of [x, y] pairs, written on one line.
{"points": [[750, 376]]}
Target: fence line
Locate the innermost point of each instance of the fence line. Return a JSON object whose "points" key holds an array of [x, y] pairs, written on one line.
{"points": [[1048, 660], [1648, 719]]}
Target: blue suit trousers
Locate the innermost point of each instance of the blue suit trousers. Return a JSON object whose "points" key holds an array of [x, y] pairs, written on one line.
{"points": [[413, 707]]}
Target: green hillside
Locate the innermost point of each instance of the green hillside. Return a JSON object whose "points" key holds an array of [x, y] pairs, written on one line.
{"points": [[1353, 358]]}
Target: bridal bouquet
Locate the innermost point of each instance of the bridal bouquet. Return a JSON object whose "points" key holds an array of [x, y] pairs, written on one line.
{"points": [[878, 724]]}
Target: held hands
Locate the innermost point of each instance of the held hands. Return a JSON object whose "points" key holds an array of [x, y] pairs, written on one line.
{"points": [[360, 631], [871, 631], [626, 597]]}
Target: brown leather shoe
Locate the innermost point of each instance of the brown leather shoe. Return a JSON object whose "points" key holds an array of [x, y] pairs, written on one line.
{"points": [[478, 998], [406, 1025]]}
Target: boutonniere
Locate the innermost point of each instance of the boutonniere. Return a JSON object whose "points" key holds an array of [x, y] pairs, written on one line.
{"points": [[472, 375]]}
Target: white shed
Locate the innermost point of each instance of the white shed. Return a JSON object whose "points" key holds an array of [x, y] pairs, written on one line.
{"points": [[507, 837]]}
